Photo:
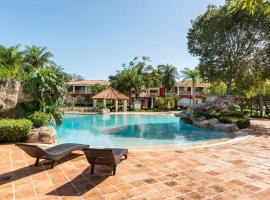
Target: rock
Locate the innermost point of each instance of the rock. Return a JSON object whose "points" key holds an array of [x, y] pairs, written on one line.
{"points": [[11, 93], [199, 109], [241, 133], [104, 111], [45, 134], [214, 124], [186, 120], [213, 121], [210, 123], [185, 117], [221, 104], [226, 127]]}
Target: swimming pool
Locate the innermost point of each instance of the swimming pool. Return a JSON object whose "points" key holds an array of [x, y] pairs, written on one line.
{"points": [[126, 130]]}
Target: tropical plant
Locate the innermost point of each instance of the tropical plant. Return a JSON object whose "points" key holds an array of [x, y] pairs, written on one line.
{"points": [[133, 77], [97, 88], [171, 100], [169, 75], [193, 75], [11, 57], [50, 89], [217, 88], [37, 57], [74, 77], [160, 103], [40, 118]]}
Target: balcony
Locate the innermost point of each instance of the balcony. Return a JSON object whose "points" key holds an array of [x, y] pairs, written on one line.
{"points": [[189, 92], [184, 92], [80, 92]]}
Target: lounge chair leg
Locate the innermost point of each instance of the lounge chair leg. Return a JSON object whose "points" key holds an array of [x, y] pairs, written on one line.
{"points": [[114, 169], [53, 164], [37, 161], [92, 168]]}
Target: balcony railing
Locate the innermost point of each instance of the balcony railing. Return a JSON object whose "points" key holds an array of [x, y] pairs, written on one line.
{"points": [[189, 92], [80, 92], [184, 92]]}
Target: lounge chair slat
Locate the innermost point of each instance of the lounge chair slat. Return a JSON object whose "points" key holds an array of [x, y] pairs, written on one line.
{"points": [[54, 153], [108, 156]]}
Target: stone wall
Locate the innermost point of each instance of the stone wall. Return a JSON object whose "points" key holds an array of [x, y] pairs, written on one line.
{"points": [[12, 93]]}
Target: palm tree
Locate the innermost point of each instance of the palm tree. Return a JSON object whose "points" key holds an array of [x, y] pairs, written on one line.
{"points": [[169, 75], [11, 57], [37, 57], [194, 75]]}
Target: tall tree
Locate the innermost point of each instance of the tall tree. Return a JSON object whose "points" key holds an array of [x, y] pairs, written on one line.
{"points": [[37, 57], [133, 76], [11, 57], [227, 43], [252, 6], [95, 89], [193, 75], [169, 74], [74, 77]]}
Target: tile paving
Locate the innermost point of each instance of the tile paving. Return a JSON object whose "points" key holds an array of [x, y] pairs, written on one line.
{"points": [[238, 170]]}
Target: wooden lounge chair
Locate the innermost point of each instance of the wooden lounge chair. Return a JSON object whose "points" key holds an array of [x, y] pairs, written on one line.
{"points": [[54, 153], [110, 157]]}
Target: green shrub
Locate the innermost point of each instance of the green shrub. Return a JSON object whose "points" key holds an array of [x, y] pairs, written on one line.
{"points": [[25, 109], [40, 119], [7, 73], [236, 114], [11, 73], [240, 122], [206, 114], [243, 123], [14, 130], [160, 103]]}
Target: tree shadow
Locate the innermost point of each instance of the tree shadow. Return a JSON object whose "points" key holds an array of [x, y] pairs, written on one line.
{"points": [[83, 183], [258, 131], [31, 169]]}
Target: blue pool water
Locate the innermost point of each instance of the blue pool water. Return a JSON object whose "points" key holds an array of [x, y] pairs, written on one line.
{"points": [[126, 130]]}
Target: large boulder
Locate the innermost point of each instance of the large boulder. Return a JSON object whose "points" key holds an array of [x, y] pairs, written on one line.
{"points": [[226, 127], [45, 134], [214, 124], [221, 104], [210, 123], [12, 93]]}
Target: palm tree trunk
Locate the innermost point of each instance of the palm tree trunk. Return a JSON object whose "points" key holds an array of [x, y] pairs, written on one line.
{"points": [[261, 105], [229, 88]]}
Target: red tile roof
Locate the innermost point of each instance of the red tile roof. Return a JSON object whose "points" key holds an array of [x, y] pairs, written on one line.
{"points": [[88, 82], [110, 93], [189, 84]]}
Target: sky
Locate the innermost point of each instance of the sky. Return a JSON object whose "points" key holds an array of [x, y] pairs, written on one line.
{"points": [[94, 37]]}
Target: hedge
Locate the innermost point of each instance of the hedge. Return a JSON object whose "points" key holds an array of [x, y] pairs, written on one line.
{"points": [[40, 119], [235, 114], [240, 122], [206, 114], [14, 130]]}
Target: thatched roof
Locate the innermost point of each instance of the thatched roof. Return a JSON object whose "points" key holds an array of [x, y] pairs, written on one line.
{"points": [[110, 93]]}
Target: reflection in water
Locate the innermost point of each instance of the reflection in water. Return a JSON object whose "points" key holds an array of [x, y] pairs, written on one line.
{"points": [[161, 132], [130, 130]]}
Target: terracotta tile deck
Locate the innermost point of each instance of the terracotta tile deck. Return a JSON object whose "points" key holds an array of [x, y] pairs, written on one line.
{"points": [[239, 170]]}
